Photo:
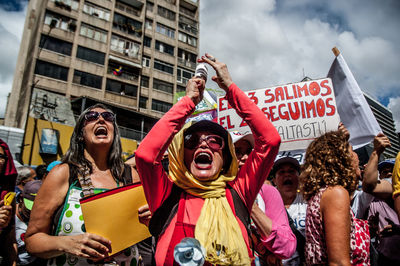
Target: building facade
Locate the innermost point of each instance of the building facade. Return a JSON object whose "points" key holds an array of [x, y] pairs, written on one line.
{"points": [[132, 55], [385, 120]]}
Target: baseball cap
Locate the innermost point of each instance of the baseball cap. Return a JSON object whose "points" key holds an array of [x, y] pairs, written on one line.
{"points": [[29, 193], [236, 136], [284, 160], [210, 126], [386, 163]]}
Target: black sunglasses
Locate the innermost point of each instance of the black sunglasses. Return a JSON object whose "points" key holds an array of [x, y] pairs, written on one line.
{"points": [[3, 156], [215, 142], [94, 115]]}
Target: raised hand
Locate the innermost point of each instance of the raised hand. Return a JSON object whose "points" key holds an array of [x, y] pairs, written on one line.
{"points": [[195, 89], [381, 142], [223, 78]]}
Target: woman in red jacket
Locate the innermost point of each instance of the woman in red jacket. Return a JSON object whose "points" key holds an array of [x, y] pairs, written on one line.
{"points": [[203, 166]]}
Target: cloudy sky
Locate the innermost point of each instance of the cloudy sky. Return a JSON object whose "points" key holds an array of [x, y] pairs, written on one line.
{"points": [[267, 42]]}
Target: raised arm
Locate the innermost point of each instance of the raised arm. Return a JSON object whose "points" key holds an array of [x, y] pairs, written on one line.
{"points": [[155, 183], [267, 140], [371, 184]]}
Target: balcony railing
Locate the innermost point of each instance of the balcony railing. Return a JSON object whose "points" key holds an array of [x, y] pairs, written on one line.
{"points": [[186, 63]]}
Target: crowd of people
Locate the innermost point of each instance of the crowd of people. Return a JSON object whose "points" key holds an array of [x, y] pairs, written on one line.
{"points": [[229, 191]]}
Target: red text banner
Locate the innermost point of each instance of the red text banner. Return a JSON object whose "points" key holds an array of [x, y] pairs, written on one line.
{"points": [[299, 111]]}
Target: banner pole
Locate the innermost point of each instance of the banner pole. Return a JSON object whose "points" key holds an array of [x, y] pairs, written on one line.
{"points": [[335, 51]]}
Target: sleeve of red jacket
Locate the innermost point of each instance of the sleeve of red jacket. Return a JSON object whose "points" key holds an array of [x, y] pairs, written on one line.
{"points": [[266, 145], [281, 241], [148, 156]]}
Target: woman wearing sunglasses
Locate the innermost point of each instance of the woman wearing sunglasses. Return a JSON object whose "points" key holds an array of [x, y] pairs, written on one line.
{"points": [[92, 164], [203, 174]]}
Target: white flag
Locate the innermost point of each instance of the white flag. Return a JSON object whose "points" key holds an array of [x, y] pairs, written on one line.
{"points": [[353, 109]]}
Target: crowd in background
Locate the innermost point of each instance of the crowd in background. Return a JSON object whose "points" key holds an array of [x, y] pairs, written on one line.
{"points": [[229, 191]]}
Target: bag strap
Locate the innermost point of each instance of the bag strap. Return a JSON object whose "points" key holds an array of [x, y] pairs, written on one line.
{"points": [[164, 214], [301, 240]]}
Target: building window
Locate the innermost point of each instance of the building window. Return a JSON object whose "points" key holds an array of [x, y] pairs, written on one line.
{"points": [[143, 102], [188, 25], [163, 66], [163, 86], [167, 31], [160, 106], [55, 45], [146, 61], [166, 13], [180, 88], [164, 48], [67, 4], [90, 55], [124, 46], [93, 33], [60, 22], [123, 71], [96, 11], [147, 41], [51, 70], [149, 6], [87, 79], [148, 24], [128, 9], [186, 59], [183, 37], [121, 88], [127, 25], [183, 75], [187, 11], [144, 82]]}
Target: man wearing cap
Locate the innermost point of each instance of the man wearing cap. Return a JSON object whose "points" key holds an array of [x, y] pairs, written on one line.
{"points": [[23, 212], [268, 214], [286, 172]]}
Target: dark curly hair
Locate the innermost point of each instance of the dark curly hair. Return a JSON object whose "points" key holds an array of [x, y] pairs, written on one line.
{"points": [[328, 162]]}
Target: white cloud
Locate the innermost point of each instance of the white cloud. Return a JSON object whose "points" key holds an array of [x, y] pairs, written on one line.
{"points": [[266, 43], [11, 27]]}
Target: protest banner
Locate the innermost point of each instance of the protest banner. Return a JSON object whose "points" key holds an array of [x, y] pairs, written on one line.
{"points": [[299, 111]]}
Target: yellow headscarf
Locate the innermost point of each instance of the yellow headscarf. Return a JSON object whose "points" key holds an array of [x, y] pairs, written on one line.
{"points": [[217, 228]]}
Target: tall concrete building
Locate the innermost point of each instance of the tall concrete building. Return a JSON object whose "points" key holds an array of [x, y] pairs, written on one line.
{"points": [[130, 54], [385, 120]]}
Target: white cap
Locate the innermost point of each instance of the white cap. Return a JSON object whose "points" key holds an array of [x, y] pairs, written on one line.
{"points": [[236, 136]]}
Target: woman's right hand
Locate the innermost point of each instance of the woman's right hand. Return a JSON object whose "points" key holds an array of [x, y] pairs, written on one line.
{"points": [[5, 215], [195, 89], [89, 246]]}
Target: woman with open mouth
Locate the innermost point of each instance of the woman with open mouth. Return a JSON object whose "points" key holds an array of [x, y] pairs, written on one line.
{"points": [[204, 195]]}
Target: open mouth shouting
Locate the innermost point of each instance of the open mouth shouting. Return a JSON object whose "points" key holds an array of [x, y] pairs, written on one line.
{"points": [[203, 159], [101, 131]]}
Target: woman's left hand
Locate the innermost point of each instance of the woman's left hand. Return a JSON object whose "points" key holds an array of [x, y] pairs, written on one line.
{"points": [[144, 215]]}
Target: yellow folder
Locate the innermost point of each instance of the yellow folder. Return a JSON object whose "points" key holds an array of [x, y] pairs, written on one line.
{"points": [[113, 214]]}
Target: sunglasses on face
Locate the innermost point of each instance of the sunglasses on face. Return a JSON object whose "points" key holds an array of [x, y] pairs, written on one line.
{"points": [[215, 142], [240, 152], [94, 116]]}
